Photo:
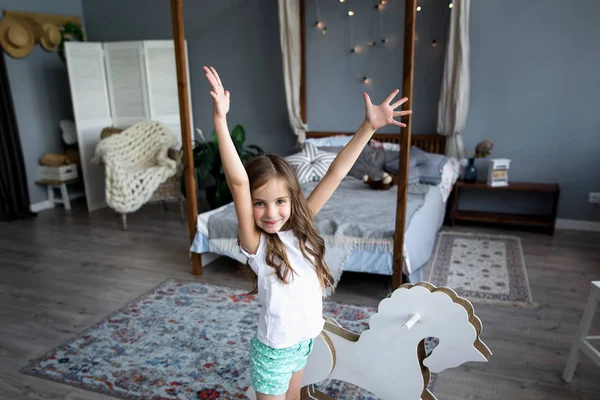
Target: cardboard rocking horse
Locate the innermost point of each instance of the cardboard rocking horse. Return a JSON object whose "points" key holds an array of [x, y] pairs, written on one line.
{"points": [[388, 359]]}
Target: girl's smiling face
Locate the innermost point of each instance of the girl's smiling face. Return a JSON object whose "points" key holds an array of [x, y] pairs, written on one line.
{"points": [[272, 205]]}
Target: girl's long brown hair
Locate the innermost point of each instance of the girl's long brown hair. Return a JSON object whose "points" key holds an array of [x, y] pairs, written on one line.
{"points": [[261, 169]]}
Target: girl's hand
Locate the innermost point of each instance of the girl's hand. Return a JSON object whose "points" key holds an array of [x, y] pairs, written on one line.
{"points": [[383, 114], [218, 93]]}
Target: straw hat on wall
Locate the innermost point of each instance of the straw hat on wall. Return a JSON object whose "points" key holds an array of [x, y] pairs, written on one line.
{"points": [[50, 37], [16, 37]]}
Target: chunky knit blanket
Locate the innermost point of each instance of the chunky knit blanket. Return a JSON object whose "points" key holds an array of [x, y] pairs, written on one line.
{"points": [[136, 163]]}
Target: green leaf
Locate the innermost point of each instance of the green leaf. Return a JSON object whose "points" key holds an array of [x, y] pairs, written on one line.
{"points": [[238, 135], [214, 148], [203, 162], [202, 150]]}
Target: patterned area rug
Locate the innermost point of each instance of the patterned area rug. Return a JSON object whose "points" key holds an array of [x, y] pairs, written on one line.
{"points": [[181, 340], [483, 268]]}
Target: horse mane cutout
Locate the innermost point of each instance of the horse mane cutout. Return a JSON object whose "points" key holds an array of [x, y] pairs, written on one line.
{"points": [[466, 304]]}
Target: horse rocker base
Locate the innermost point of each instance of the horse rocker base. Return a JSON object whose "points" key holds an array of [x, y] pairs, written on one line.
{"points": [[389, 359]]}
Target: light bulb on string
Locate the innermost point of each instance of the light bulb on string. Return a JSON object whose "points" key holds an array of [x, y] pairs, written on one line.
{"points": [[382, 2], [350, 13], [450, 5], [366, 79], [378, 6], [319, 24], [324, 31], [434, 43], [384, 40], [341, 1], [419, 8], [372, 43]]}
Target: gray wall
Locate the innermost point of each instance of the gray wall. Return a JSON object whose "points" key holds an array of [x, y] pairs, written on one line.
{"points": [[534, 92], [239, 38], [335, 76], [40, 90]]}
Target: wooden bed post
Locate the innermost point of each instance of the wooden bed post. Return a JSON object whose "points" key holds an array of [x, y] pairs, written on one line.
{"points": [[405, 136], [303, 61], [186, 135], [410, 16]]}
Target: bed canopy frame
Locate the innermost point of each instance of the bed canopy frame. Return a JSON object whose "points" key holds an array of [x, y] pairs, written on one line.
{"points": [[432, 143]]}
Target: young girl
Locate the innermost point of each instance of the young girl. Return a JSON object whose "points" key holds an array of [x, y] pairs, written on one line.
{"points": [[278, 235]]}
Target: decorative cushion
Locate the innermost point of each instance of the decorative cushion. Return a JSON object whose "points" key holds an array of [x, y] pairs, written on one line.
{"points": [[391, 146], [331, 149], [377, 145], [423, 167], [392, 161], [310, 164], [370, 162], [430, 165]]}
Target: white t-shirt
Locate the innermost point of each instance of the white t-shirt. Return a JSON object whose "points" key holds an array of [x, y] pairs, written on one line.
{"points": [[292, 312]]}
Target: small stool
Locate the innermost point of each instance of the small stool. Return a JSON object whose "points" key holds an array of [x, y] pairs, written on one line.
{"points": [[583, 342], [64, 193]]}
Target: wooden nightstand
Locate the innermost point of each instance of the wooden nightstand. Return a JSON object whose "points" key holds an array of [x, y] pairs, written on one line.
{"points": [[543, 221]]}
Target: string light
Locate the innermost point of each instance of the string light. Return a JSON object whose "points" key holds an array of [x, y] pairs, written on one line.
{"points": [[383, 2], [319, 23], [450, 5], [350, 13], [341, 1], [366, 79], [379, 6], [384, 40], [434, 43], [371, 43], [419, 8]]}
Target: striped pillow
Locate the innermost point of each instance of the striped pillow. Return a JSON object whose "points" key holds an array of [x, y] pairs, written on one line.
{"points": [[311, 164]]}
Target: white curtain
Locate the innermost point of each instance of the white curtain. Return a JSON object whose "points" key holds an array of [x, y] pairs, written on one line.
{"points": [[453, 106], [289, 22]]}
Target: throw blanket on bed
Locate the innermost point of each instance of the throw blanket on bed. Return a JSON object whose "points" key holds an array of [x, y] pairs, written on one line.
{"points": [[356, 218]]}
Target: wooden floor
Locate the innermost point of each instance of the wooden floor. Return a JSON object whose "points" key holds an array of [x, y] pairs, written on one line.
{"points": [[61, 272]]}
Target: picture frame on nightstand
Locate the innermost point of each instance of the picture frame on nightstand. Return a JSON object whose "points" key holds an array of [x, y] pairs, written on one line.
{"points": [[498, 172]]}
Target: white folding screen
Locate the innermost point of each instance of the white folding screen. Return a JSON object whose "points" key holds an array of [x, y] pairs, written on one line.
{"points": [[89, 95], [162, 83], [119, 84], [125, 68]]}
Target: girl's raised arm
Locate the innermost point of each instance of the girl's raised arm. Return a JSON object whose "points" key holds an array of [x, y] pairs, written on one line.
{"points": [[375, 118], [235, 174]]}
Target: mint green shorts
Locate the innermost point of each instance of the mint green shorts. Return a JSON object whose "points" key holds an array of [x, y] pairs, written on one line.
{"points": [[271, 369]]}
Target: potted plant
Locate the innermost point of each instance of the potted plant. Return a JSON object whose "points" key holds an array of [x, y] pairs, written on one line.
{"points": [[482, 150], [207, 163]]}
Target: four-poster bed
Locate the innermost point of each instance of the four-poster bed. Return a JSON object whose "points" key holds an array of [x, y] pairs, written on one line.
{"points": [[429, 143]]}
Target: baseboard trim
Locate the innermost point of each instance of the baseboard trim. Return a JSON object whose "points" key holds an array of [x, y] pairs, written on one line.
{"points": [[578, 225], [41, 206]]}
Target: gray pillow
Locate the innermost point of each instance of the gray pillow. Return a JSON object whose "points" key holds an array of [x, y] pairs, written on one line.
{"points": [[429, 165], [423, 167], [392, 161], [370, 162], [332, 149]]}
